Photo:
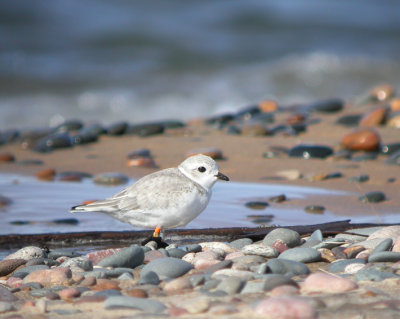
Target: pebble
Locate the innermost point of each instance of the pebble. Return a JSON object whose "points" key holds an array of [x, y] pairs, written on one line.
{"points": [[54, 276], [258, 205], [147, 162], [178, 284], [195, 305], [326, 106], [284, 267], [286, 307], [110, 179], [27, 253], [149, 278], [69, 293], [106, 284], [237, 244], [305, 255], [359, 179], [391, 148], [193, 248], [323, 282], [6, 307], [214, 245], [57, 253], [372, 197], [340, 265], [278, 199], [6, 295], [7, 266], [315, 209], [310, 151], [7, 158], [118, 128], [54, 141], [394, 120], [231, 285], [168, 267], [253, 129], [78, 264], [350, 120], [242, 274], [361, 140], [367, 274], [290, 237], [46, 174], [384, 256], [220, 265], [260, 250], [375, 117], [145, 129], [290, 174], [25, 271], [130, 257], [385, 245], [247, 113], [148, 305]]}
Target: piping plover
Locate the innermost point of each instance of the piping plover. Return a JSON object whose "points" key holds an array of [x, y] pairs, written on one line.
{"points": [[165, 199]]}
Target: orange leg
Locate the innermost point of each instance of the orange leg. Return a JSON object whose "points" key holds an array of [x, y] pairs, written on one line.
{"points": [[157, 232]]}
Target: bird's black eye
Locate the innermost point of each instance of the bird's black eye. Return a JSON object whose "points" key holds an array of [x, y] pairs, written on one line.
{"points": [[201, 169]]}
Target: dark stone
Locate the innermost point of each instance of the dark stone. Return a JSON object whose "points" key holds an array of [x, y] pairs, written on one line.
{"points": [[94, 129], [108, 293], [9, 136], [385, 245], [373, 275], [118, 128], [130, 257], [285, 267], [146, 129], [167, 267], [176, 252], [54, 254], [314, 209], [42, 261], [69, 125], [142, 152], [171, 124], [326, 106], [221, 265], [260, 219], [384, 256], [247, 113], [389, 149], [265, 118], [310, 151], [192, 248], [340, 265], [83, 138], [30, 138], [256, 205], [373, 197], [233, 130], [31, 162], [339, 252], [240, 243], [359, 178], [65, 221], [349, 120], [278, 199], [52, 142], [220, 121], [70, 174]]}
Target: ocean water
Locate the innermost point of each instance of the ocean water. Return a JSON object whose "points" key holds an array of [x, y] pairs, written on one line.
{"points": [[146, 60], [38, 207]]}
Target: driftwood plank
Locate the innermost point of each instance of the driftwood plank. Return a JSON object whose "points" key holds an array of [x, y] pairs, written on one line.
{"points": [[180, 236]]}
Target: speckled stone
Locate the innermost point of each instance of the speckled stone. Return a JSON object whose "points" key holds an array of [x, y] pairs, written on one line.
{"points": [[288, 236]]}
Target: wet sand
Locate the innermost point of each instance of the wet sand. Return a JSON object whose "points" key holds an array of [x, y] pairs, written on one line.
{"points": [[243, 161]]}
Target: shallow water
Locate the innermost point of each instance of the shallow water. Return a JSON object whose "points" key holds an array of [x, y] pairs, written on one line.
{"points": [[36, 205]]}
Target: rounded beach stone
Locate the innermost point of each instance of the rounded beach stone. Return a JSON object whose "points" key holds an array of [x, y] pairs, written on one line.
{"points": [[6, 307], [214, 245], [384, 256], [168, 267], [367, 274], [54, 276], [260, 250], [322, 282], [372, 197], [240, 243], [130, 257], [361, 140], [7, 266], [385, 245], [286, 307], [27, 253], [110, 179], [290, 237], [392, 232], [326, 106], [147, 305], [146, 129], [77, 264], [69, 293], [25, 271], [375, 117], [231, 285], [300, 254], [310, 151], [6, 295], [284, 267], [340, 265]]}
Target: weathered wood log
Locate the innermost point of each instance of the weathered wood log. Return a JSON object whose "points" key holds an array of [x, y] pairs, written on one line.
{"points": [[179, 236]]}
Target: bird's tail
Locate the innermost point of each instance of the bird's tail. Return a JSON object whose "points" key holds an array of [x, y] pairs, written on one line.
{"points": [[106, 206]]}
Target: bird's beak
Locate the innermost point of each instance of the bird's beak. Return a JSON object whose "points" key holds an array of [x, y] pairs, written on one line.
{"points": [[222, 177]]}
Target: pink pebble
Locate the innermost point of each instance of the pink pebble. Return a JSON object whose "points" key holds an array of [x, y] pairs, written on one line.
{"points": [[14, 282], [69, 293], [54, 276], [396, 246], [99, 255], [234, 255], [280, 246], [201, 264], [322, 282], [284, 290], [286, 308]]}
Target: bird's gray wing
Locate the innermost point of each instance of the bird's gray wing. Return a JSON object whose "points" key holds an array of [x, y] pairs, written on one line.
{"points": [[155, 191]]}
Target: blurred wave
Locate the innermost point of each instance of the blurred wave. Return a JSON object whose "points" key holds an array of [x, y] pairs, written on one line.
{"points": [[107, 61]]}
